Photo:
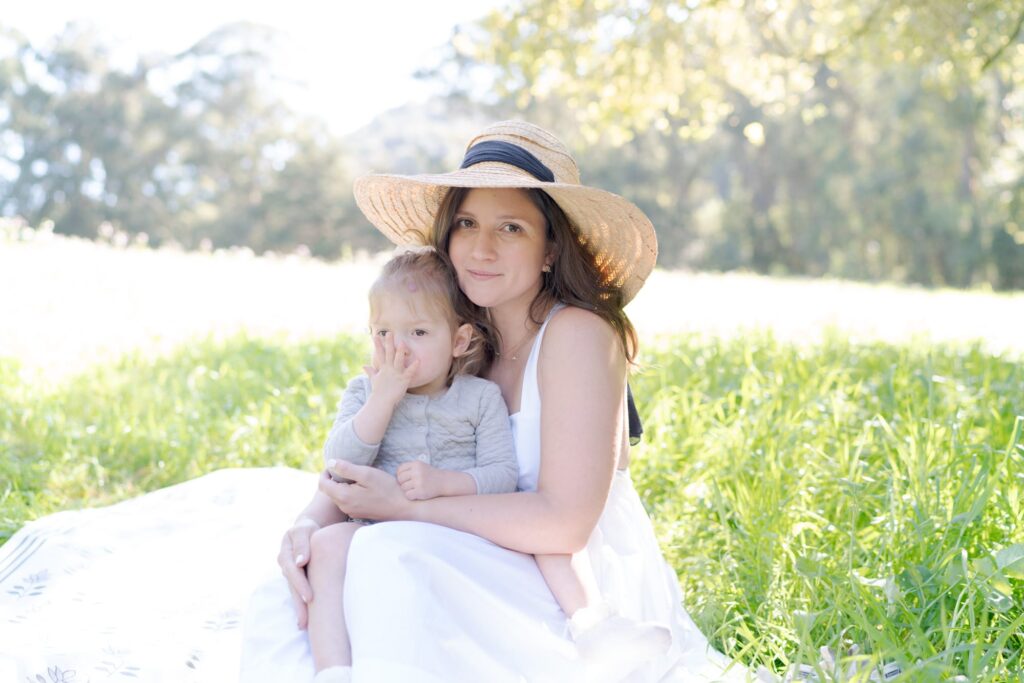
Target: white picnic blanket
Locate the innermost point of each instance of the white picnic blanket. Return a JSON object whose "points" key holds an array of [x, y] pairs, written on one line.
{"points": [[150, 589]]}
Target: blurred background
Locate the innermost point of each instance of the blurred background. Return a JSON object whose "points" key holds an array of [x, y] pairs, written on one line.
{"points": [[782, 142], [865, 139]]}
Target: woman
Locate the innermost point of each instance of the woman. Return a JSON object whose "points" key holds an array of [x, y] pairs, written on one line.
{"points": [[449, 591]]}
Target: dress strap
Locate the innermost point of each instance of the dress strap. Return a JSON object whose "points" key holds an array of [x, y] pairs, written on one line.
{"points": [[529, 398]]}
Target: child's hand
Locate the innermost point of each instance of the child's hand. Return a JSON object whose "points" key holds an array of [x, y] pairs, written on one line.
{"points": [[420, 481], [389, 376]]}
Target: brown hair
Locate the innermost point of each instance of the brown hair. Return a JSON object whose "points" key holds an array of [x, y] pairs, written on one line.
{"points": [[427, 277], [576, 277]]}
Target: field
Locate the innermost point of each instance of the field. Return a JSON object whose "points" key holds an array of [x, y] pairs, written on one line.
{"points": [[826, 463], [66, 304]]}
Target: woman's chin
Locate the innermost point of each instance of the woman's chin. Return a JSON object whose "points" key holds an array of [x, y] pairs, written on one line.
{"points": [[484, 302], [493, 297], [482, 297]]}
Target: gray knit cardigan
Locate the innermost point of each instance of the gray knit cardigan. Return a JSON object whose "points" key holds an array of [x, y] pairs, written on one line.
{"points": [[466, 428]]}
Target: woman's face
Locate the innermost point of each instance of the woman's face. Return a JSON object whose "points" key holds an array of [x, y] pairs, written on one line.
{"points": [[498, 246]]}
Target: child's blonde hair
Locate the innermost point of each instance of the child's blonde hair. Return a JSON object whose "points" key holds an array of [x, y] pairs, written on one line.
{"points": [[424, 277]]}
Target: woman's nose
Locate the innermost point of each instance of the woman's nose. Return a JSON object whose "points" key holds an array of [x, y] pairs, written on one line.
{"points": [[483, 245]]}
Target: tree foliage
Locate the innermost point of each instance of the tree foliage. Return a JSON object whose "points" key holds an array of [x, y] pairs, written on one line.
{"points": [[869, 139], [185, 148], [624, 66]]}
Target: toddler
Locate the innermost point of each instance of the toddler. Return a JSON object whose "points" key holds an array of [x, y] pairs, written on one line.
{"points": [[419, 413]]}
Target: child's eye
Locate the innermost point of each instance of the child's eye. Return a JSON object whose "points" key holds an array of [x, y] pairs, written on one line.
{"points": [[382, 333], [420, 333]]}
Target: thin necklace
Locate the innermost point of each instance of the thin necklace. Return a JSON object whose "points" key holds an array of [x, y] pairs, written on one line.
{"points": [[514, 355]]}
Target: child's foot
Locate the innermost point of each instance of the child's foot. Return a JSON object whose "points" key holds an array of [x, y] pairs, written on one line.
{"points": [[334, 674], [612, 646]]}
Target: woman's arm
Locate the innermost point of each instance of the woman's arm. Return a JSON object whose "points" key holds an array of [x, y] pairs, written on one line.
{"points": [[322, 511], [582, 384]]}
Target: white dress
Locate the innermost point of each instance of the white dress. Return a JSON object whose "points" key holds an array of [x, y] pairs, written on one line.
{"points": [[425, 603]]}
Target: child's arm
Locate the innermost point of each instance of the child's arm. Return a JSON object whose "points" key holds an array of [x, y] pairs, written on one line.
{"points": [[389, 380], [343, 443], [496, 469], [368, 405]]}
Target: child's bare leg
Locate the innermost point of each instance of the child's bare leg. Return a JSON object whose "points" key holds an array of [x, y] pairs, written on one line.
{"points": [[328, 553], [571, 580], [611, 646]]}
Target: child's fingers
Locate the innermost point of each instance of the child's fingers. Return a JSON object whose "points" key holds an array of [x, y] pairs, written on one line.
{"points": [[408, 470], [378, 352], [401, 351], [389, 350], [415, 494]]}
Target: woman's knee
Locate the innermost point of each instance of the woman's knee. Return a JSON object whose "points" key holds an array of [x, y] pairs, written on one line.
{"points": [[331, 543]]}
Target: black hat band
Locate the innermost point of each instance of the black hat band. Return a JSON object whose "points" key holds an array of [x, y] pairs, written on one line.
{"points": [[507, 153]]}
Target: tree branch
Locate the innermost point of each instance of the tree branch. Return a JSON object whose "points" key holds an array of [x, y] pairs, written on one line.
{"points": [[1010, 41]]}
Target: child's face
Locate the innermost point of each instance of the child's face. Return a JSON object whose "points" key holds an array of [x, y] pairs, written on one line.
{"points": [[427, 335]]}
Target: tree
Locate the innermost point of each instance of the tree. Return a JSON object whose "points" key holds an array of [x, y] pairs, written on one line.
{"points": [[187, 147], [866, 139], [625, 66]]}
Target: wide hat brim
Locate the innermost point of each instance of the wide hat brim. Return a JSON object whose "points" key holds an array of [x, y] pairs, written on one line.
{"points": [[613, 229]]}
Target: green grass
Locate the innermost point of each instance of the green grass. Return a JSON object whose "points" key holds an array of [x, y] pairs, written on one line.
{"points": [[806, 496], [842, 494], [119, 430]]}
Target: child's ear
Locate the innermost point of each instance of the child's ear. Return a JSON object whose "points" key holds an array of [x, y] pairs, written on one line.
{"points": [[460, 342]]}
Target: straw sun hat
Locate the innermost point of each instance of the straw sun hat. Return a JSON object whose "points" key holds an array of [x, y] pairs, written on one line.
{"points": [[515, 154]]}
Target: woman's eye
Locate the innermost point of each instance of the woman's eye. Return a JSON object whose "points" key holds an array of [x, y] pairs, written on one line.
{"points": [[463, 223], [512, 227]]}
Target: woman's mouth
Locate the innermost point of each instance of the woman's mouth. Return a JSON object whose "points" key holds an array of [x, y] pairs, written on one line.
{"points": [[481, 274]]}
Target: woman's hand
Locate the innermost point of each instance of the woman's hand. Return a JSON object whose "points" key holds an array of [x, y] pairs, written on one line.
{"points": [[373, 494], [293, 558]]}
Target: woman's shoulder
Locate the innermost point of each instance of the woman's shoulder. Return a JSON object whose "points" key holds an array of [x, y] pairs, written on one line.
{"points": [[577, 342], [572, 324]]}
